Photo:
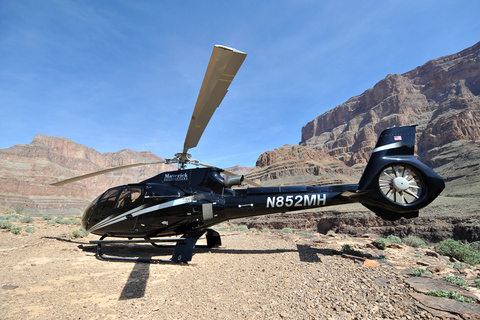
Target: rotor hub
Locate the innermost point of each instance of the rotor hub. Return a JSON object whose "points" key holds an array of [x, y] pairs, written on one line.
{"points": [[400, 184]]}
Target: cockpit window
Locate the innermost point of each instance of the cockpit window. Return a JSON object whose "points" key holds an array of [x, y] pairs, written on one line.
{"points": [[130, 196], [109, 199]]}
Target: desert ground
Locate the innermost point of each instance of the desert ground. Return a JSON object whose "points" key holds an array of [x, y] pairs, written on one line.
{"points": [[48, 274]]}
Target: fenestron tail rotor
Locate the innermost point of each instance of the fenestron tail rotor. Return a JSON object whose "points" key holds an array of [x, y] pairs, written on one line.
{"points": [[222, 68]]}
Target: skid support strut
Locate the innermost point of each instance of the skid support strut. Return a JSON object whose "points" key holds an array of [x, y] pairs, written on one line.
{"points": [[182, 253]]}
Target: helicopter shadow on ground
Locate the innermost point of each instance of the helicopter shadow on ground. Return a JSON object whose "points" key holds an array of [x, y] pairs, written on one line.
{"points": [[136, 284]]}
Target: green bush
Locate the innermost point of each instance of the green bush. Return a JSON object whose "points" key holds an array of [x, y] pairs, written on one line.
{"points": [[394, 239], [27, 219], [285, 230], [477, 283], [16, 230], [67, 221], [418, 272], [5, 224], [19, 209], [381, 243], [265, 230], [80, 233], [303, 233], [347, 249], [414, 242], [450, 295], [241, 228], [459, 251], [30, 229], [221, 227], [460, 265], [47, 217], [10, 217], [459, 281]]}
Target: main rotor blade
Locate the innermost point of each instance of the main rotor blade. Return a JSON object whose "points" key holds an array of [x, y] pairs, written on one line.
{"points": [[222, 68], [93, 174]]}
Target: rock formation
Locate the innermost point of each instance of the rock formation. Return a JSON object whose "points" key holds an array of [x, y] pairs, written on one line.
{"points": [[27, 170], [300, 165], [442, 97]]}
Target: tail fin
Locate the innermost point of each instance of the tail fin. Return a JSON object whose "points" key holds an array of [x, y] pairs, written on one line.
{"points": [[395, 183]]}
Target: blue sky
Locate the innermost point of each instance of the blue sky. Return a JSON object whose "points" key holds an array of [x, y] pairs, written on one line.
{"points": [[116, 75]]}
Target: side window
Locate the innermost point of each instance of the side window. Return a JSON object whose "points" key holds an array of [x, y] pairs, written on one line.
{"points": [[130, 197], [109, 199]]}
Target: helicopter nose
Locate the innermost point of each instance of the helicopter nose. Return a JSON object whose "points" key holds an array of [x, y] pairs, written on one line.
{"points": [[85, 221]]}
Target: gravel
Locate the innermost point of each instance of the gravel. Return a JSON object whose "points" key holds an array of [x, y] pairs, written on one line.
{"points": [[252, 276]]}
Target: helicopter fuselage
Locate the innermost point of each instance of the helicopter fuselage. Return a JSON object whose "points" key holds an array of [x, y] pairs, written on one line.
{"points": [[394, 184], [176, 202]]}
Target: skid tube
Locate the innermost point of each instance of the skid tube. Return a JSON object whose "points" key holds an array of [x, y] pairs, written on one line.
{"points": [[182, 253]]}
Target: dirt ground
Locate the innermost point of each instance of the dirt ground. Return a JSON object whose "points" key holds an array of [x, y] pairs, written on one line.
{"points": [[253, 275]]}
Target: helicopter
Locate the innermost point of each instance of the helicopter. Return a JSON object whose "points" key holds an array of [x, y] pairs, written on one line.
{"points": [[189, 202]]}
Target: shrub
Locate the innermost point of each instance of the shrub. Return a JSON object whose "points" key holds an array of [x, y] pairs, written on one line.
{"points": [[414, 242], [19, 209], [450, 295], [418, 272], [459, 281], [67, 221], [477, 283], [10, 217], [265, 230], [394, 239], [285, 230], [347, 249], [47, 217], [30, 229], [80, 233], [5, 224], [16, 230], [459, 265], [459, 251], [381, 243], [27, 219], [241, 228], [221, 227]]}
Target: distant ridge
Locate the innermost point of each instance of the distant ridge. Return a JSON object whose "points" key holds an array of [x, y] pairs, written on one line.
{"points": [[26, 171], [442, 97]]}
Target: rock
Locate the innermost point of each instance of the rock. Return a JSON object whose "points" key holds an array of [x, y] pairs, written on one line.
{"points": [[27, 170], [436, 269], [444, 308], [426, 96], [371, 263], [423, 285]]}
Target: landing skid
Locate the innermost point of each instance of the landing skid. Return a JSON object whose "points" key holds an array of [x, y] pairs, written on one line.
{"points": [[182, 253]]}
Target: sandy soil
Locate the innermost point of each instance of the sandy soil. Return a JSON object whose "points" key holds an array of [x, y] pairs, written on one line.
{"points": [[253, 275]]}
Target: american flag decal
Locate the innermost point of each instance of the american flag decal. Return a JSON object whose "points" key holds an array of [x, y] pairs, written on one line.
{"points": [[397, 138]]}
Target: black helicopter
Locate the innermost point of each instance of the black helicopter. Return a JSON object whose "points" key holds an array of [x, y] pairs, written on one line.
{"points": [[189, 202]]}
